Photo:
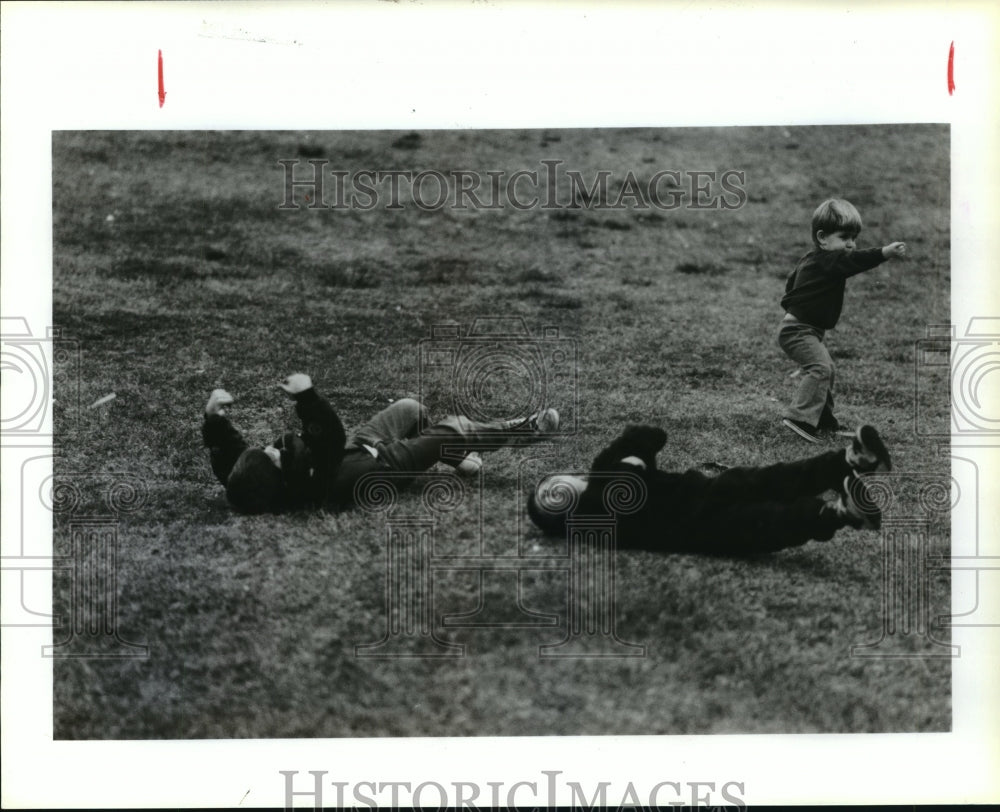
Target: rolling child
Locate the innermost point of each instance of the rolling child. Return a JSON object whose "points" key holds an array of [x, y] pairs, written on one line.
{"points": [[319, 467], [743, 511]]}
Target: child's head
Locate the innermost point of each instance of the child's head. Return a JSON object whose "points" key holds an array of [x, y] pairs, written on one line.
{"points": [[553, 499], [835, 215], [255, 484]]}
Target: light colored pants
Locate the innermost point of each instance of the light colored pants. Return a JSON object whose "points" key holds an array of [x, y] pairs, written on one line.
{"points": [[405, 441], [803, 343]]}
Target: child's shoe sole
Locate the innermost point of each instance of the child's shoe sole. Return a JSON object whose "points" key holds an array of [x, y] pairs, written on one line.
{"points": [[801, 429], [867, 452]]}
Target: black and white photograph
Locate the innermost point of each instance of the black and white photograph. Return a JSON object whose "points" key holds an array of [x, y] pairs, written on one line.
{"points": [[487, 313], [549, 437]]}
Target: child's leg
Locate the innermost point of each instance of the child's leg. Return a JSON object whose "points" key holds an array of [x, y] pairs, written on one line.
{"points": [[827, 419], [782, 482], [225, 444], [399, 421], [761, 527], [449, 441], [804, 345]]}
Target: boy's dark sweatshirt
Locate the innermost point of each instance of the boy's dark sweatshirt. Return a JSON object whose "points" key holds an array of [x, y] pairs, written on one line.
{"points": [[814, 292], [309, 463], [675, 506]]}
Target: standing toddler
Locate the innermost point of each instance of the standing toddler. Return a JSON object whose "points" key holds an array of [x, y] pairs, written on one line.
{"points": [[814, 297]]}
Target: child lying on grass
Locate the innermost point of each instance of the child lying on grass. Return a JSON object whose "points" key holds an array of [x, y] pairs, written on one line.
{"points": [[318, 468], [740, 511]]}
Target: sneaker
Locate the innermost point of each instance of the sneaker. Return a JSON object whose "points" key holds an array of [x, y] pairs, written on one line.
{"points": [[855, 505], [470, 465], [218, 401], [804, 430], [867, 452], [545, 421]]}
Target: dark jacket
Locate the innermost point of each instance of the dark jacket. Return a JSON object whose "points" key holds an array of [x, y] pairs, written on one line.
{"points": [[668, 497], [814, 292], [742, 511]]}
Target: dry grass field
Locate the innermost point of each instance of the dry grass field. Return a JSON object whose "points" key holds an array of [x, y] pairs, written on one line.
{"points": [[177, 271]]}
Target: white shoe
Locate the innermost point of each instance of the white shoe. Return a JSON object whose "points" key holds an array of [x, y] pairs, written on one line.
{"points": [[543, 422], [470, 465], [217, 402]]}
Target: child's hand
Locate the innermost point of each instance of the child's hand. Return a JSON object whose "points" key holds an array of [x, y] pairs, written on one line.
{"points": [[294, 384], [894, 250], [217, 402]]}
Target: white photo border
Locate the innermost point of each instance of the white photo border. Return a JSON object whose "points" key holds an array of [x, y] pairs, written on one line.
{"points": [[402, 65]]}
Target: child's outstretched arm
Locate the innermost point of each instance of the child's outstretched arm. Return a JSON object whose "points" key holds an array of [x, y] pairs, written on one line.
{"points": [[846, 264], [894, 250]]}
